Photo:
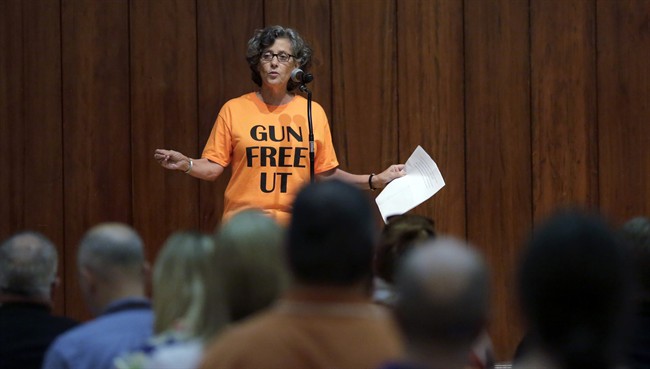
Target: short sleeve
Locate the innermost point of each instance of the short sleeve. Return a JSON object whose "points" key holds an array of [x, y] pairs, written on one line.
{"points": [[218, 148]]}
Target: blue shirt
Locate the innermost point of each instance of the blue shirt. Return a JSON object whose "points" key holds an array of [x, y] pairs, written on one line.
{"points": [[124, 326]]}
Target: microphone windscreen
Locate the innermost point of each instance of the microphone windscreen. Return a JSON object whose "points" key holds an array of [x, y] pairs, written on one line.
{"points": [[296, 74]]}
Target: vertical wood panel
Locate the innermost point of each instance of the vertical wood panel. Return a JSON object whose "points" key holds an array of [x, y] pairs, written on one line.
{"points": [[312, 20], [11, 117], [624, 107], [364, 85], [42, 121], [163, 115], [563, 66], [96, 149], [364, 73], [498, 148], [431, 99], [223, 33]]}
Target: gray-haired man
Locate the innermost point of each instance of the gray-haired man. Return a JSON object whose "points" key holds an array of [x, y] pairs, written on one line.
{"points": [[112, 272], [28, 264]]}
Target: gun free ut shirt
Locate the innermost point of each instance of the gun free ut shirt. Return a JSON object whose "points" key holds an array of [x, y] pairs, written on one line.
{"points": [[268, 148]]}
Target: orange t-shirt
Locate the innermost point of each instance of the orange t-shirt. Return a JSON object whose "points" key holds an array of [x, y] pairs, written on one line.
{"points": [[268, 147]]}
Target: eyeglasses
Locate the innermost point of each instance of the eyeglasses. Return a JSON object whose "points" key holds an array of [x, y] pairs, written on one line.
{"points": [[282, 57]]}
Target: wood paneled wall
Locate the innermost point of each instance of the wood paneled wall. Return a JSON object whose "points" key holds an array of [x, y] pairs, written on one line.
{"points": [[526, 105]]}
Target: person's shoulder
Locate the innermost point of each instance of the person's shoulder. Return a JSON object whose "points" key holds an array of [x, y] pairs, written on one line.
{"points": [[76, 335], [128, 315], [101, 334], [299, 98], [238, 105], [113, 328], [39, 320], [254, 326], [65, 345], [301, 101], [245, 99], [103, 326], [60, 353], [258, 329], [261, 341]]}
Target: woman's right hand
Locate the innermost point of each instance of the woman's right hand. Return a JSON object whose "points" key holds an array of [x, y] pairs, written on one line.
{"points": [[170, 159]]}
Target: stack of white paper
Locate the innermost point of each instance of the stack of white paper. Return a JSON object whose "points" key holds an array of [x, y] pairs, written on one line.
{"points": [[422, 180]]}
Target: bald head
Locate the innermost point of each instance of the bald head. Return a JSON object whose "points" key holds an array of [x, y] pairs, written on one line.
{"points": [[27, 265], [111, 247], [442, 292]]}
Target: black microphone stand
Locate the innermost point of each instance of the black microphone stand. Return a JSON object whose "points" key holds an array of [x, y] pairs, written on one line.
{"points": [[304, 89]]}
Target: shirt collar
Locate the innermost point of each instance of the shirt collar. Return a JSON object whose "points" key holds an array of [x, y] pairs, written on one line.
{"points": [[129, 303]]}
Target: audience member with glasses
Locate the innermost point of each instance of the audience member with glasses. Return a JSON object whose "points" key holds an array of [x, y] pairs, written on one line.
{"points": [[264, 135]]}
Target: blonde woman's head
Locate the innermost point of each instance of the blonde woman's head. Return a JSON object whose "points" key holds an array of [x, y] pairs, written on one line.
{"points": [[250, 257], [186, 287]]}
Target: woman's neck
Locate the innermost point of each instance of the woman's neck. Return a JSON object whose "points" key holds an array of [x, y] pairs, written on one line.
{"points": [[274, 96]]}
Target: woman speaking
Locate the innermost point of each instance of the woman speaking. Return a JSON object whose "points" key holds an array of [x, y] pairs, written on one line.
{"points": [[264, 135]]}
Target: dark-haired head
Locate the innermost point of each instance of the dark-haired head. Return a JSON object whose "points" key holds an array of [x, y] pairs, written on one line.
{"points": [[399, 235], [575, 288], [265, 38], [331, 235]]}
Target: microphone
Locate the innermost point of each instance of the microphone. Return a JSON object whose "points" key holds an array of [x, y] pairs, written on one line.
{"points": [[299, 76]]}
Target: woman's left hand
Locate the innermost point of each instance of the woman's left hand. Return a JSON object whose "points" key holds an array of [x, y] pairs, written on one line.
{"points": [[382, 179]]}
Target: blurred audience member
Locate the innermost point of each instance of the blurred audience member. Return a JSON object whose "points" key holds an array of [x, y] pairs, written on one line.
{"points": [[188, 304], [250, 258], [574, 288], [199, 287], [326, 319], [442, 304], [112, 273], [28, 263], [637, 233], [400, 235]]}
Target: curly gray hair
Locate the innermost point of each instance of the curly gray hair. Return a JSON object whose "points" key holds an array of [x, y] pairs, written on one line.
{"points": [[264, 38]]}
